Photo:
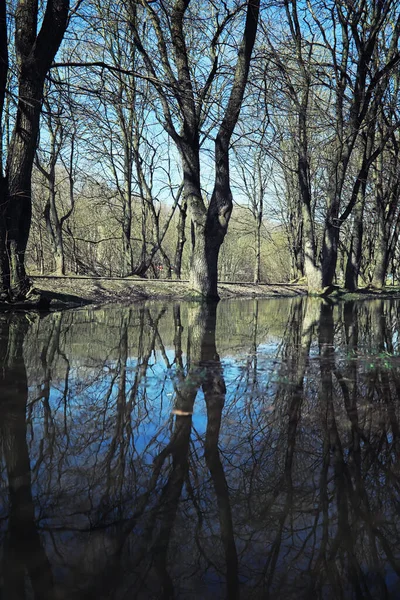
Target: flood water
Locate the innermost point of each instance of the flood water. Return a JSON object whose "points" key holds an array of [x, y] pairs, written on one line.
{"points": [[178, 451]]}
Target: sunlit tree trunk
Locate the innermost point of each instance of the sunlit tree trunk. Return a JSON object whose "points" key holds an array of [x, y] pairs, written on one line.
{"points": [[181, 240], [381, 244], [35, 53], [257, 262], [354, 258]]}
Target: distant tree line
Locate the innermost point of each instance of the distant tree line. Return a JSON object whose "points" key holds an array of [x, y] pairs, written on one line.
{"points": [[202, 140]]}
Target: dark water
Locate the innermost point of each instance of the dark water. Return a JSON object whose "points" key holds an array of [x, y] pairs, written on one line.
{"points": [[181, 452]]}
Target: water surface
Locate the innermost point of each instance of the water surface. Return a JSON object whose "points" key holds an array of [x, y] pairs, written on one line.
{"points": [[182, 451]]}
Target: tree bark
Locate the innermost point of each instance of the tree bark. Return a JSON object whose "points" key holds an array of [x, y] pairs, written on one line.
{"points": [[35, 53], [257, 263], [354, 258], [19, 171], [331, 232], [209, 225], [181, 240], [311, 270], [381, 257], [204, 266], [359, 195], [382, 238]]}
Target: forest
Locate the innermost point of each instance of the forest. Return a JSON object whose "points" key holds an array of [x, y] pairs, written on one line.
{"points": [[204, 140]]}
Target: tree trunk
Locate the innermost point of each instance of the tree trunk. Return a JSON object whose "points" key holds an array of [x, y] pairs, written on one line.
{"points": [[204, 262], [4, 263], [53, 223], [381, 259], [127, 253], [19, 170], [54, 230], [331, 240], [203, 270], [35, 53], [381, 244], [294, 228], [354, 258], [210, 231], [181, 240], [257, 263], [298, 266], [359, 195], [312, 272]]}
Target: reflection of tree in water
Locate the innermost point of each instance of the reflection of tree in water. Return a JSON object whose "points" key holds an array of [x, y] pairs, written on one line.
{"points": [[283, 483], [23, 549]]}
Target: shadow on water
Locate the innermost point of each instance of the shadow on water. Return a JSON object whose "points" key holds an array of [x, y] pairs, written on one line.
{"points": [[248, 450]]}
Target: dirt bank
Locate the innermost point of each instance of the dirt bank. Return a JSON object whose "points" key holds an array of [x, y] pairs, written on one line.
{"points": [[84, 290], [65, 292]]}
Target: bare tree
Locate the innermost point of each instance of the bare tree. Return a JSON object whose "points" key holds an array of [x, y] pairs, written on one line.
{"points": [[59, 168], [173, 69], [298, 80], [357, 29], [35, 51]]}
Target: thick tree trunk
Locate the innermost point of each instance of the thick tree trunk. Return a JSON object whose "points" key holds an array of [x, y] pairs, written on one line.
{"points": [[381, 260], [59, 260], [354, 258], [35, 52], [208, 226], [359, 195], [204, 266], [210, 232], [59, 254], [204, 261], [295, 224], [330, 246], [336, 178], [19, 170], [382, 239], [312, 272], [127, 255]]}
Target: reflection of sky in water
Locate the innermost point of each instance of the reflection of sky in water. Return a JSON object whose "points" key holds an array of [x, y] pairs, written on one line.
{"points": [[92, 390], [70, 442]]}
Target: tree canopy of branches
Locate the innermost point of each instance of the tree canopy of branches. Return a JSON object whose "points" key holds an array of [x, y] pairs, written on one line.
{"points": [[159, 116]]}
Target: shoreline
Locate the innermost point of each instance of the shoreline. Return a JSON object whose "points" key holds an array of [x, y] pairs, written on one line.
{"points": [[57, 292], [82, 290]]}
